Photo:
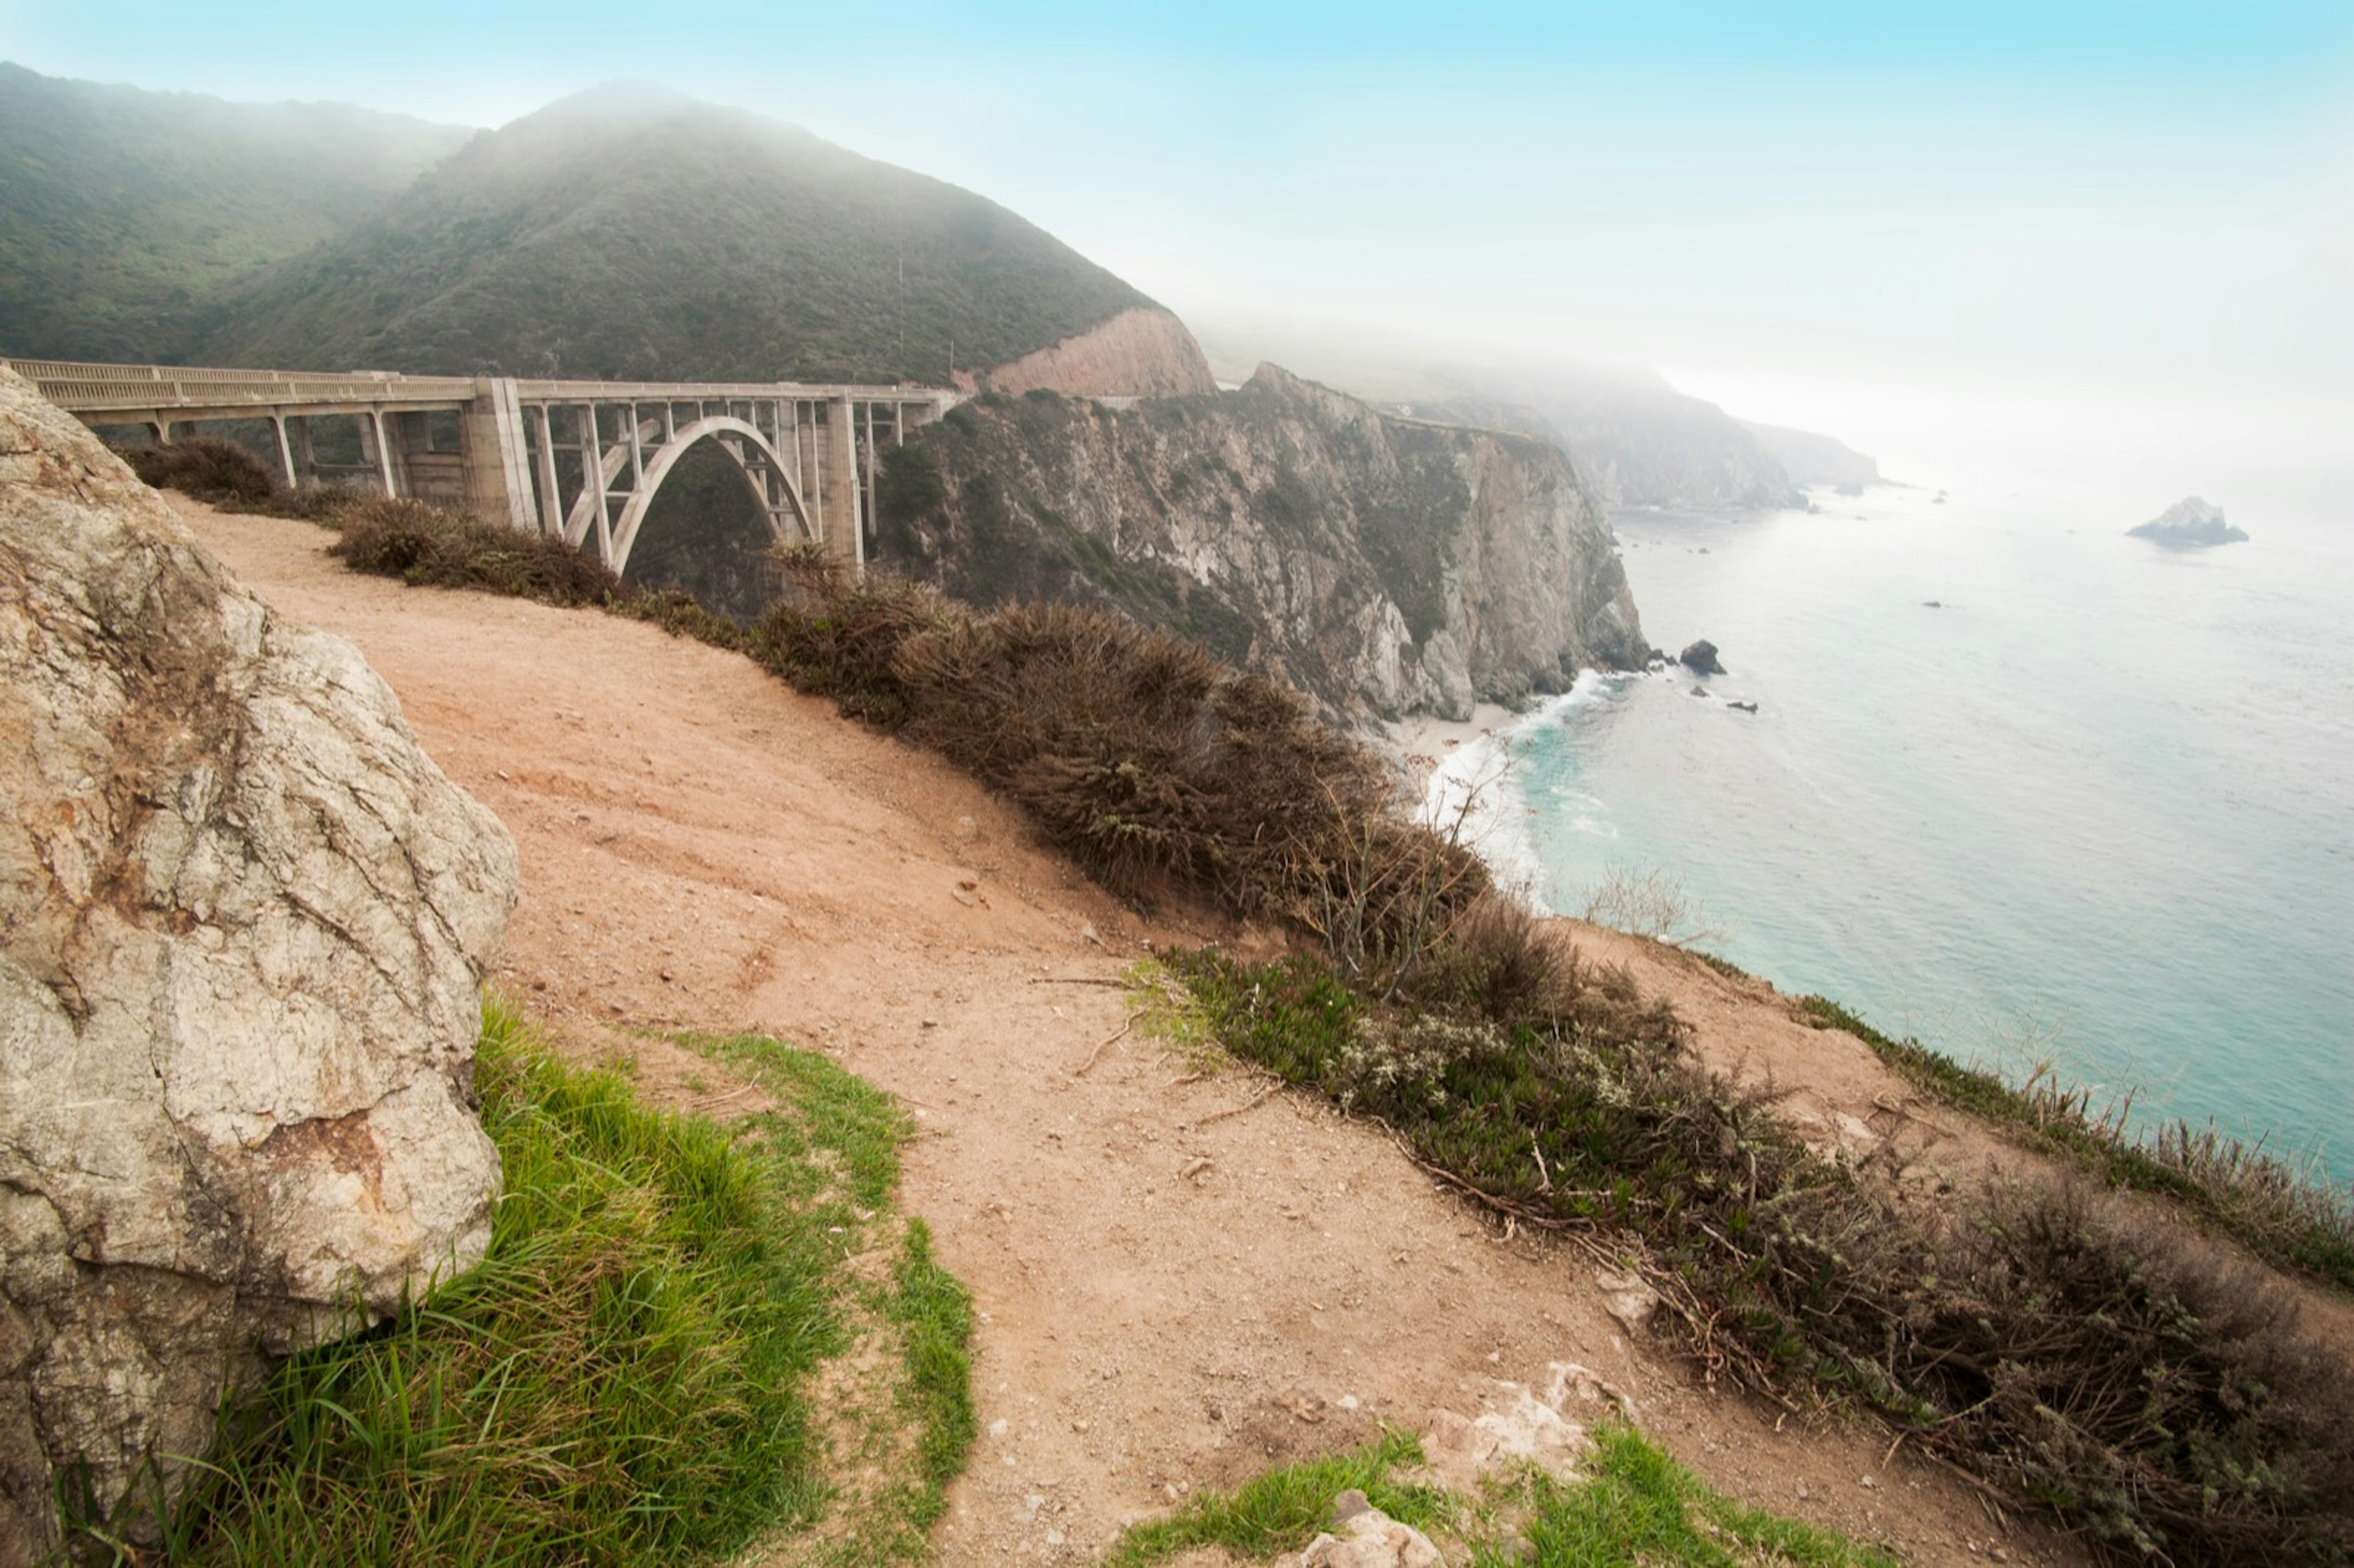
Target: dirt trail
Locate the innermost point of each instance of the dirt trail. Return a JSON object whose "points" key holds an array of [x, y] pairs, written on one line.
{"points": [[1179, 1281]]}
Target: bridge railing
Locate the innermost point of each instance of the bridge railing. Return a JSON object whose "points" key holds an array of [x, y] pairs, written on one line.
{"points": [[83, 388]]}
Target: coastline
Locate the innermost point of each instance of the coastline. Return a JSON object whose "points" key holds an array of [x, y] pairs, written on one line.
{"points": [[1423, 742]]}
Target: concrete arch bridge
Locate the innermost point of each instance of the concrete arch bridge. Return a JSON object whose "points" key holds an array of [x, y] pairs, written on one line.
{"points": [[581, 460]]}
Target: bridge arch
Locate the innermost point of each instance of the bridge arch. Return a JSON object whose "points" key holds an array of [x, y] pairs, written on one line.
{"points": [[765, 475]]}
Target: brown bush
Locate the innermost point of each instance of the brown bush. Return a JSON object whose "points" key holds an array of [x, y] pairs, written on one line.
{"points": [[1151, 762], [421, 543], [2161, 1403], [209, 469]]}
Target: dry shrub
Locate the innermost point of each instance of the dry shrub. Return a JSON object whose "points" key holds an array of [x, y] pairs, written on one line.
{"points": [[1151, 762], [209, 469], [2157, 1402], [681, 614], [2160, 1402], [226, 475], [1500, 962], [421, 543]]}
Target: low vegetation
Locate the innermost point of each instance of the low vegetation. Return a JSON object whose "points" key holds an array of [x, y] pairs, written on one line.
{"points": [[2106, 1371], [1161, 769], [2287, 1211], [627, 1378], [424, 545], [1631, 1507], [2111, 1372], [218, 472]]}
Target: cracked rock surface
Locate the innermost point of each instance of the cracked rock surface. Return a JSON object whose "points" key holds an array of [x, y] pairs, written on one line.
{"points": [[243, 924]]}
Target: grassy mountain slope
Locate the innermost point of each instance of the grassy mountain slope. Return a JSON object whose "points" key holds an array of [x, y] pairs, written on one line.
{"points": [[122, 211], [630, 233]]}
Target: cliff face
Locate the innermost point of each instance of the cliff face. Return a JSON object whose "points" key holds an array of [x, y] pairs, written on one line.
{"points": [[1810, 459], [1637, 440], [1143, 352], [1652, 446], [1381, 565]]}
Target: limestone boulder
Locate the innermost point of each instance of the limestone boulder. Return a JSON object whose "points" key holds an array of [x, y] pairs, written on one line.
{"points": [[244, 921], [1368, 1538]]}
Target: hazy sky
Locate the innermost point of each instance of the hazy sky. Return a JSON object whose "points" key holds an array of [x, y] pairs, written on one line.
{"points": [[1834, 214]]}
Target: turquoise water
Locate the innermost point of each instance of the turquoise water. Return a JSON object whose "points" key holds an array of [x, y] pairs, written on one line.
{"points": [[2098, 809]]}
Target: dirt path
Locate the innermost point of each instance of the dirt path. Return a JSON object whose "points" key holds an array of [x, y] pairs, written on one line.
{"points": [[1179, 1281]]}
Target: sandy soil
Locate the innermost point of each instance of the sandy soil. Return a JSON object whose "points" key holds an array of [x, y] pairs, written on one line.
{"points": [[1180, 1279]]}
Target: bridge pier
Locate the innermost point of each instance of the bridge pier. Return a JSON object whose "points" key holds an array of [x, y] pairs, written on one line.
{"points": [[845, 536], [496, 456]]}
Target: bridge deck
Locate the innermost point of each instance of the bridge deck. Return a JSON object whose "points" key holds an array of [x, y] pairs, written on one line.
{"points": [[194, 391]]}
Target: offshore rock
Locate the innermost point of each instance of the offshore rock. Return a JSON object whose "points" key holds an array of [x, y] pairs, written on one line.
{"points": [[1381, 565], [1700, 658], [2190, 524], [243, 925]]}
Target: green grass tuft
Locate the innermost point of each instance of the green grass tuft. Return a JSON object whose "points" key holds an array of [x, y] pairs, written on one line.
{"points": [[625, 1379], [1283, 1510], [1637, 1506], [825, 1107], [935, 1315], [617, 1383], [1632, 1507]]}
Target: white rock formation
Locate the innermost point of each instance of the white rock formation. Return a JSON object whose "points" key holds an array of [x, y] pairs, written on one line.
{"points": [[1368, 1538], [243, 924]]}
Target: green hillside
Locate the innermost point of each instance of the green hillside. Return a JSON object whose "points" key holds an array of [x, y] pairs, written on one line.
{"points": [[628, 233], [122, 212]]}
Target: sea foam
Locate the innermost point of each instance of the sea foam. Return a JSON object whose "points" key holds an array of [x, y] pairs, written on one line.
{"points": [[1479, 795]]}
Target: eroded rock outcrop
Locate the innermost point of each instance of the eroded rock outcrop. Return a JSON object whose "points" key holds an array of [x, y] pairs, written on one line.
{"points": [[1380, 564], [1143, 352], [243, 924]]}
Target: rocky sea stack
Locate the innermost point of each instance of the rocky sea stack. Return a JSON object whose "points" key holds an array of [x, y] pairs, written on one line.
{"points": [[2190, 524]]}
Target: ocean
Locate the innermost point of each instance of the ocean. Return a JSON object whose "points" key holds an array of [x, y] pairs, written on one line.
{"points": [[2017, 784]]}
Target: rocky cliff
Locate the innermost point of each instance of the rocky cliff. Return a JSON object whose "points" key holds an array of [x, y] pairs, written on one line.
{"points": [[1811, 458], [1642, 444], [243, 924], [1143, 352], [1380, 564]]}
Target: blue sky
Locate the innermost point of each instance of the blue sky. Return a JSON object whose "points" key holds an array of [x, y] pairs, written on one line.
{"points": [[1802, 207]]}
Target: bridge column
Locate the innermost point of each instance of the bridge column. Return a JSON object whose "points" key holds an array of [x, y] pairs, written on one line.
{"points": [[866, 485], [592, 449], [839, 469], [496, 460], [296, 429], [374, 448], [551, 499], [285, 451]]}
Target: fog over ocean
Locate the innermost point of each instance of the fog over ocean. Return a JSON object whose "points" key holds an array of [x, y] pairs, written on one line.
{"points": [[2097, 807]]}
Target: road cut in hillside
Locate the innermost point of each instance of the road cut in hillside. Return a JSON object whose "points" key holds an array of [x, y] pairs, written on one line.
{"points": [[1180, 1279]]}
